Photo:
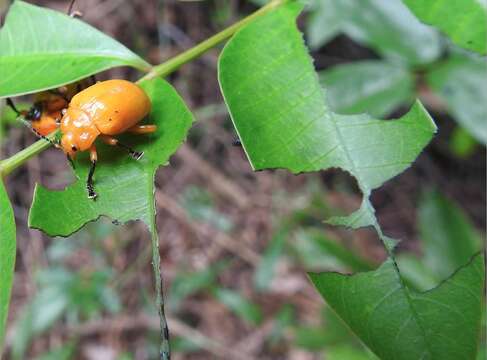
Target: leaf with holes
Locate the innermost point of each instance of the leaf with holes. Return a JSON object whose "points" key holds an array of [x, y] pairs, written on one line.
{"points": [[278, 108], [53, 49], [125, 186], [398, 323], [283, 121]]}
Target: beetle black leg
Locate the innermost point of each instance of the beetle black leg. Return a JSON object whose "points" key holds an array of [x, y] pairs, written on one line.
{"points": [[114, 142], [89, 182], [137, 155]]}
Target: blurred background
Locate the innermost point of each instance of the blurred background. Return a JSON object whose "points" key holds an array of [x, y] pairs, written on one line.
{"points": [[235, 244]]}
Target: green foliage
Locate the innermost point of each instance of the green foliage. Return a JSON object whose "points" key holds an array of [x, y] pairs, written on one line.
{"points": [[310, 136], [125, 186], [63, 293], [265, 271], [200, 207], [386, 26], [322, 23], [241, 306], [283, 121], [412, 52], [461, 143], [377, 87], [64, 352], [189, 283], [460, 82], [316, 251], [449, 238], [389, 317], [42, 49], [7, 256], [464, 21]]}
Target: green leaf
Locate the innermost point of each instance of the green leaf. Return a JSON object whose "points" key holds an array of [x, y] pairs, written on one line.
{"points": [[244, 308], [278, 108], [63, 352], [348, 352], [264, 273], [464, 21], [7, 256], [125, 186], [200, 207], [461, 143], [389, 27], [449, 238], [39, 315], [322, 24], [460, 82], [318, 252], [42, 49], [374, 87], [283, 319], [311, 338], [188, 283], [398, 323], [415, 273]]}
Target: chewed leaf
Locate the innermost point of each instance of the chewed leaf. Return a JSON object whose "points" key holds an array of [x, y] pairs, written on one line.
{"points": [[280, 113], [125, 186], [52, 49], [398, 323]]}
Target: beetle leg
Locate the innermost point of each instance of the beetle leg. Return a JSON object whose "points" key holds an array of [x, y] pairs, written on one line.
{"points": [[114, 142], [89, 182], [142, 129]]}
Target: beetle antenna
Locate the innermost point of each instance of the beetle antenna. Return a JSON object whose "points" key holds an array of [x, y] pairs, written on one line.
{"points": [[12, 106]]}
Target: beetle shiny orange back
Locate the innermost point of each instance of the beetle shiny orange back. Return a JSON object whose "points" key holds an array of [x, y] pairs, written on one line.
{"points": [[107, 108]]}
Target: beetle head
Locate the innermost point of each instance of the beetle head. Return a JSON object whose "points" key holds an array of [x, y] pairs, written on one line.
{"points": [[79, 132], [70, 145]]}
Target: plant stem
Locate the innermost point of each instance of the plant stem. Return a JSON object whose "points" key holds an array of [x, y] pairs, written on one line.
{"points": [[13, 162], [176, 62]]}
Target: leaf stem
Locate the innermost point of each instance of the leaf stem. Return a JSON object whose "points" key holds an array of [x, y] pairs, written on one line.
{"points": [[176, 62]]}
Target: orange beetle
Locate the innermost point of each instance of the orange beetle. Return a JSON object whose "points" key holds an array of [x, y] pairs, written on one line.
{"points": [[102, 110]]}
